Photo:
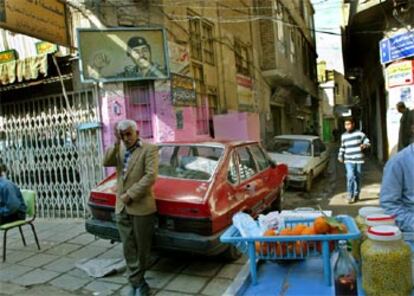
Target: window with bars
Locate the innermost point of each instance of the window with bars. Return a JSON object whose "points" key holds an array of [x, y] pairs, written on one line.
{"points": [[305, 56], [213, 104], [292, 44], [242, 58], [195, 38], [200, 88], [201, 39], [279, 17], [139, 106], [208, 47]]}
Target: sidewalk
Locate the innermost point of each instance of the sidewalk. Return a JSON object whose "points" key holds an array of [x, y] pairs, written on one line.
{"points": [[51, 271]]}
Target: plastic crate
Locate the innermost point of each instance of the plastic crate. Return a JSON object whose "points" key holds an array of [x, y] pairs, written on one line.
{"points": [[285, 247]]}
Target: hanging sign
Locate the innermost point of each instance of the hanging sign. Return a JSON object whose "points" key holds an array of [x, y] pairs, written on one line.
{"points": [[400, 73], [182, 90], [42, 19], [8, 56], [44, 47]]}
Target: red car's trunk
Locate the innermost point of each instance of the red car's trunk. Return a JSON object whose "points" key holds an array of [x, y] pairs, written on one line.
{"points": [[181, 204]]}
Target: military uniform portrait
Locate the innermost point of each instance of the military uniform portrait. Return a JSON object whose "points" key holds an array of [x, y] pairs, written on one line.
{"points": [[139, 51], [123, 54]]}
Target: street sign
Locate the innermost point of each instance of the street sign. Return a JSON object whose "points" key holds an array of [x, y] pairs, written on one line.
{"points": [[397, 47]]}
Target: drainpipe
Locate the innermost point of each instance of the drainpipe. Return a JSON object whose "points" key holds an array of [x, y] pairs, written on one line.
{"points": [[221, 55]]}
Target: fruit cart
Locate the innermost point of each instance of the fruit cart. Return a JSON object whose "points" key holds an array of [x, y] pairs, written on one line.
{"points": [[291, 247]]}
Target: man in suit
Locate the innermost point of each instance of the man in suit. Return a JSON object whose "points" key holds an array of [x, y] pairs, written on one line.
{"points": [[136, 165]]}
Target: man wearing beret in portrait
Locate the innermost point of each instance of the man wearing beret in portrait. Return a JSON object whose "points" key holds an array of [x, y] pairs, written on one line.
{"points": [[140, 53]]}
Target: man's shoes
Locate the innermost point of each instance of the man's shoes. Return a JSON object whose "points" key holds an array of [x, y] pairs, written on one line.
{"points": [[351, 200], [132, 290], [142, 290]]}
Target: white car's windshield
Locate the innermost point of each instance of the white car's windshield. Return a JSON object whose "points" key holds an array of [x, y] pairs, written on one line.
{"points": [[188, 161], [291, 146]]}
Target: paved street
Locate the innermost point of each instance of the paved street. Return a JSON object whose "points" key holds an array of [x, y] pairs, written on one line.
{"points": [[52, 270]]}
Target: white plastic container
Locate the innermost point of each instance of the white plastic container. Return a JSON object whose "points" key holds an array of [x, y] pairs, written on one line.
{"points": [[409, 239], [360, 220], [386, 262], [379, 219], [366, 211]]}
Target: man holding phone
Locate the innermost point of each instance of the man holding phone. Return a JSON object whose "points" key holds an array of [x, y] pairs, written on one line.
{"points": [[136, 166]]}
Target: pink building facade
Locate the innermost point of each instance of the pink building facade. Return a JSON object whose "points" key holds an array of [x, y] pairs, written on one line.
{"points": [[151, 106]]}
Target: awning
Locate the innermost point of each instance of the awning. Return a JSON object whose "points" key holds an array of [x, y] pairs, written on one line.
{"points": [[27, 69], [52, 79]]}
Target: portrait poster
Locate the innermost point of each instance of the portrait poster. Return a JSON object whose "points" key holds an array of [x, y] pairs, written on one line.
{"points": [[122, 54]]}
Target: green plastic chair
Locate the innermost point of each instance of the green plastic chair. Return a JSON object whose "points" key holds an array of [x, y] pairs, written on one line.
{"points": [[29, 197]]}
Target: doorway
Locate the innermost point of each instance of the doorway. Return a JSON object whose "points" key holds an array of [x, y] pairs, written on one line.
{"points": [[277, 120]]}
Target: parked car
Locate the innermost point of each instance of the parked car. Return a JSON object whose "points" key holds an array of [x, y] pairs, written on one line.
{"points": [[305, 156], [198, 189]]}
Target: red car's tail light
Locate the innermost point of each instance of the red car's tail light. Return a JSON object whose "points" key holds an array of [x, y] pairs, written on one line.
{"points": [[102, 212], [102, 199]]}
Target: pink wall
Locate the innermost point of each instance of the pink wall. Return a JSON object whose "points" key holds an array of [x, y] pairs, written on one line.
{"points": [[231, 126], [166, 123], [163, 118], [189, 131], [113, 110], [237, 126]]}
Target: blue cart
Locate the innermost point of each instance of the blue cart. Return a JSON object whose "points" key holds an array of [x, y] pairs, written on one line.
{"points": [[297, 247]]}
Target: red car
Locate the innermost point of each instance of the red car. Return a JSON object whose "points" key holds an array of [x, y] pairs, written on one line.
{"points": [[200, 186]]}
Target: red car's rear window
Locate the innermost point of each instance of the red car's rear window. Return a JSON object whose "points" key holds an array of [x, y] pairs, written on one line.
{"points": [[192, 162]]}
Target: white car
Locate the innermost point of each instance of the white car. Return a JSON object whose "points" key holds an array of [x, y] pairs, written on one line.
{"points": [[305, 156]]}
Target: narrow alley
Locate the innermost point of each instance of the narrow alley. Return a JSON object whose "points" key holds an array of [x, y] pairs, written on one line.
{"points": [[52, 270]]}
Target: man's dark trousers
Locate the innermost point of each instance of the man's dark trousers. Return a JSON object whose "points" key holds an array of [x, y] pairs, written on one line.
{"points": [[136, 235]]}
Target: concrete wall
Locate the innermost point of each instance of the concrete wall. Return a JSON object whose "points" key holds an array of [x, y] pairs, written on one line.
{"points": [[343, 91], [287, 67]]}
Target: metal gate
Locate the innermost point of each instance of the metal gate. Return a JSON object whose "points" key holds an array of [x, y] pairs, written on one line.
{"points": [[55, 150]]}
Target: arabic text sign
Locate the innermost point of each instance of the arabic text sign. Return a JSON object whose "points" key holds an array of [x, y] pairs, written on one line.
{"points": [[397, 47], [42, 19], [400, 73], [182, 89]]}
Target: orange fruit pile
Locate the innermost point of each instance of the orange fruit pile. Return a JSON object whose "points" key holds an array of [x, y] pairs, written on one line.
{"points": [[324, 225], [321, 226]]}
